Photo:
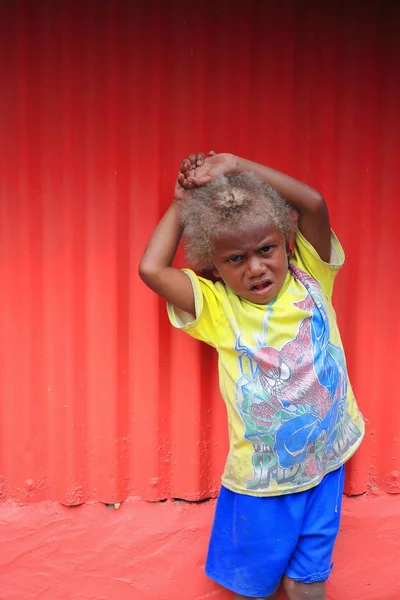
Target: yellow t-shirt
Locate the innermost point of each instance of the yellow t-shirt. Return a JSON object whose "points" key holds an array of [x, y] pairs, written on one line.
{"points": [[292, 415]]}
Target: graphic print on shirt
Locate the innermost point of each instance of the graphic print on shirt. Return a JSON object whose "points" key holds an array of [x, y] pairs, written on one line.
{"points": [[293, 400]]}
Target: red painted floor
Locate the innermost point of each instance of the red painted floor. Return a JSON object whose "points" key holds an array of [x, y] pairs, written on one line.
{"points": [[156, 551]]}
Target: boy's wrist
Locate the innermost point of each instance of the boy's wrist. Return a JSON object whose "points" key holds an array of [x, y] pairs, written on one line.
{"points": [[237, 165], [175, 206]]}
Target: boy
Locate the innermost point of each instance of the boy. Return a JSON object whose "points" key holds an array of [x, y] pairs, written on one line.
{"points": [[293, 420]]}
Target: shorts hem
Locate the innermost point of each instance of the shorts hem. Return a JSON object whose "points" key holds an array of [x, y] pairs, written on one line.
{"points": [[243, 591], [313, 578]]}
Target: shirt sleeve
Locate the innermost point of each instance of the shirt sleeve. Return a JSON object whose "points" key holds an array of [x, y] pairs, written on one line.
{"points": [[306, 257], [209, 318]]}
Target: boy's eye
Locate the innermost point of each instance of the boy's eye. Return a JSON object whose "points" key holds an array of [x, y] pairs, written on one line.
{"points": [[265, 249], [234, 259]]}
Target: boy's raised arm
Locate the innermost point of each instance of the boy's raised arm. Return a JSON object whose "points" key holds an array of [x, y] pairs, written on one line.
{"points": [[310, 205], [155, 266]]}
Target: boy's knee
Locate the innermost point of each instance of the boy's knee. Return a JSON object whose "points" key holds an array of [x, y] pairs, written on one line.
{"points": [[239, 597], [296, 590]]}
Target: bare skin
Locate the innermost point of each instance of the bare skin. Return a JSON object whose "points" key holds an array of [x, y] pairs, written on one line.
{"points": [[239, 597], [295, 590], [309, 204], [196, 170], [254, 267]]}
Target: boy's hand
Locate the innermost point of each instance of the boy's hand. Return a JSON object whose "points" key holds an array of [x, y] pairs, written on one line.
{"points": [[186, 170], [187, 167], [213, 167], [198, 169], [193, 162]]}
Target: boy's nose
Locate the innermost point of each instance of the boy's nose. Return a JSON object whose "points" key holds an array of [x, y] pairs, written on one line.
{"points": [[255, 267]]}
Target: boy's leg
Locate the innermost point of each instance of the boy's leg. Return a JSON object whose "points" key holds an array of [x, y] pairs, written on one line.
{"points": [[251, 542], [311, 562], [296, 590], [239, 597]]}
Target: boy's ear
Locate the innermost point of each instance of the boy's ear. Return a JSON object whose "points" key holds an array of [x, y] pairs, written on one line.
{"points": [[211, 274], [289, 249], [216, 274]]}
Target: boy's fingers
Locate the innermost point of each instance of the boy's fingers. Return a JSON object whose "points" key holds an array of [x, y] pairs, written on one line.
{"points": [[212, 153], [192, 158], [199, 181], [200, 159], [193, 182], [185, 165], [184, 182]]}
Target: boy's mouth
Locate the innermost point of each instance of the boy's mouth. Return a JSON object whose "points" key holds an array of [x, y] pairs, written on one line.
{"points": [[260, 287]]}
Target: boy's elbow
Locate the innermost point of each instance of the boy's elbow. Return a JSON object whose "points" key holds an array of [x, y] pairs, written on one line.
{"points": [[318, 203], [144, 270], [148, 272]]}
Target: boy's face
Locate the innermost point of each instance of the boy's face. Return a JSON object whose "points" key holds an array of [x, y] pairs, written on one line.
{"points": [[254, 263]]}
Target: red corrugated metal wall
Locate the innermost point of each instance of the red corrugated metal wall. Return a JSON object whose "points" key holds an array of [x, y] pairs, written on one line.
{"points": [[99, 102]]}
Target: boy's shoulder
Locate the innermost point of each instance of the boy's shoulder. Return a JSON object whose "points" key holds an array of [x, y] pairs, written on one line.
{"points": [[306, 258]]}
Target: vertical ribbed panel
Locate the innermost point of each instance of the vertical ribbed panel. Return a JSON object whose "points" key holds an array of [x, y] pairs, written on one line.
{"points": [[99, 102]]}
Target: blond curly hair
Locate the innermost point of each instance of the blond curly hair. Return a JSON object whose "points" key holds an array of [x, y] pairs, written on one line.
{"points": [[230, 203]]}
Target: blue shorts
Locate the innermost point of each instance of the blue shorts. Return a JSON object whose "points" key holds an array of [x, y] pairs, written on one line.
{"points": [[255, 541]]}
